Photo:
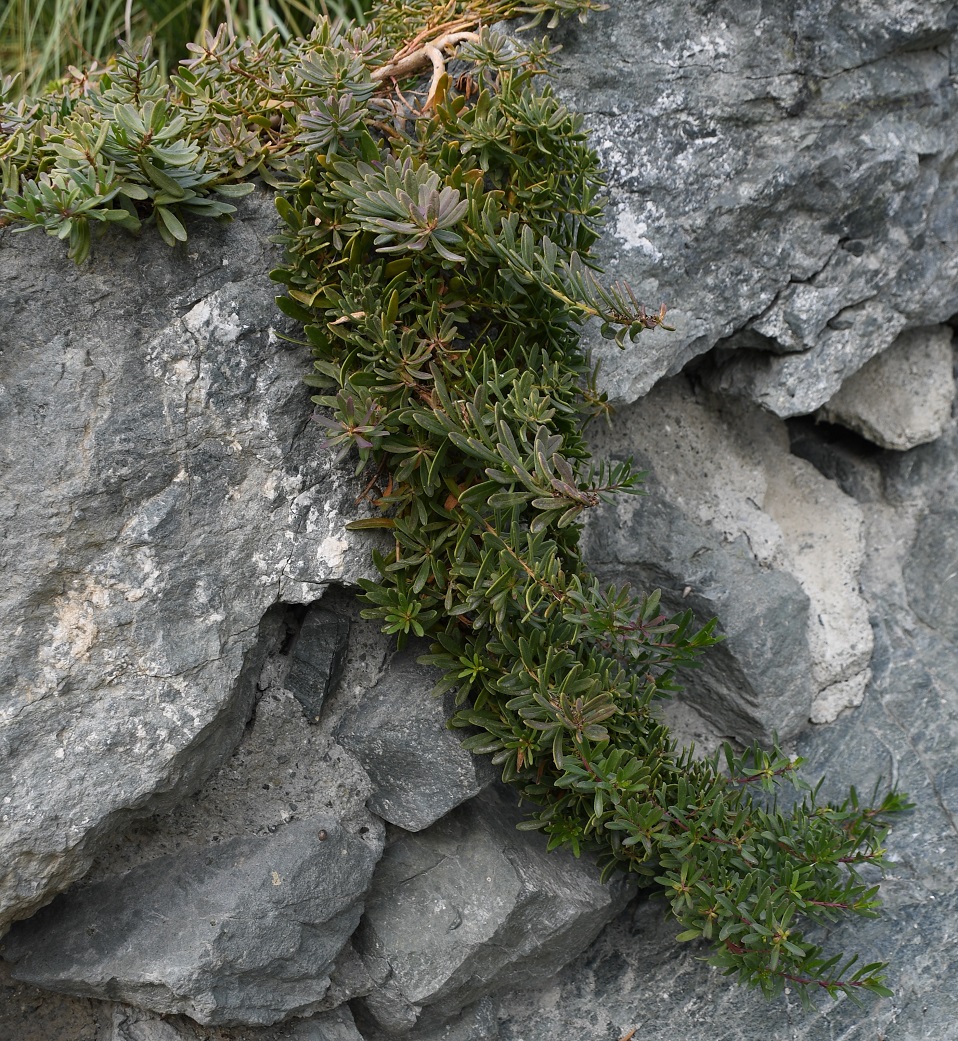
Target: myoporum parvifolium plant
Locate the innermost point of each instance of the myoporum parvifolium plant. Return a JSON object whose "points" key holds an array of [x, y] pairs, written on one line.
{"points": [[439, 206]]}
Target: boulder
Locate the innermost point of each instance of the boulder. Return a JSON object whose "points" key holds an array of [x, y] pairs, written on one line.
{"points": [[472, 905], [397, 730], [164, 489], [247, 931], [737, 527], [779, 176]]}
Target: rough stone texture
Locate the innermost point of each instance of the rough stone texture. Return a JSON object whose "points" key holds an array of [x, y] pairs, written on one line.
{"points": [[904, 396], [316, 658], [244, 932], [731, 517], [757, 679], [398, 732], [471, 905], [169, 489], [783, 176], [478, 1022], [780, 176], [130, 1024]]}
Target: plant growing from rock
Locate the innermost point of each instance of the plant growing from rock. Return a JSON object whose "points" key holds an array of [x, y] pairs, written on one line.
{"points": [[439, 209]]}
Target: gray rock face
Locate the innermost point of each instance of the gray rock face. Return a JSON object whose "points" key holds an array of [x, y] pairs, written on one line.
{"points": [[903, 397], [316, 658], [245, 932], [398, 732], [130, 1024], [471, 905], [165, 490], [737, 527], [755, 681], [779, 177]]}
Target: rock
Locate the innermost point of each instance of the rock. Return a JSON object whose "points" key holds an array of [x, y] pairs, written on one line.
{"points": [[823, 535], [732, 525], [336, 1025], [158, 502], [779, 176], [931, 571], [30, 1014], [904, 396], [397, 730], [316, 658], [635, 976], [130, 1024], [478, 1022], [243, 932], [757, 679], [469, 906]]}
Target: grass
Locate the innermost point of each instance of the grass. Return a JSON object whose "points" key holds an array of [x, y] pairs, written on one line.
{"points": [[40, 39]]}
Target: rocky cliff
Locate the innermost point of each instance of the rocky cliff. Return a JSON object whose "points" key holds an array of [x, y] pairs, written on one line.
{"points": [[244, 806]]}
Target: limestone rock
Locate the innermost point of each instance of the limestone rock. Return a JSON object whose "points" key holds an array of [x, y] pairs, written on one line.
{"points": [[130, 1024], [397, 730], [779, 176], [243, 932], [478, 1022], [471, 905], [732, 526], [162, 488], [316, 658], [904, 396]]}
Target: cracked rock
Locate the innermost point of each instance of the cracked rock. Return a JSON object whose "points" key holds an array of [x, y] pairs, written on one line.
{"points": [[244, 932], [737, 527], [316, 658], [397, 730], [469, 906], [780, 176], [162, 488], [904, 396]]}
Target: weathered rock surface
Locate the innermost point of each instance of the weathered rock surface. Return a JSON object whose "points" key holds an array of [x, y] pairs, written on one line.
{"points": [[903, 397], [471, 905], [244, 932], [130, 1024], [167, 489], [780, 177], [732, 526], [397, 730], [316, 658]]}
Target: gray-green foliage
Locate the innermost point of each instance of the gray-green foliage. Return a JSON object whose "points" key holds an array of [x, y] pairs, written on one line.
{"points": [[438, 255], [438, 234]]}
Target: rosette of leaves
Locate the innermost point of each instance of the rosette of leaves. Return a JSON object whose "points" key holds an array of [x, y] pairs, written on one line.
{"points": [[438, 257]]}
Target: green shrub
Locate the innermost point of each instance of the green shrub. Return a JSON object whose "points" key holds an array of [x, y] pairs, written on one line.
{"points": [[439, 209]]}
